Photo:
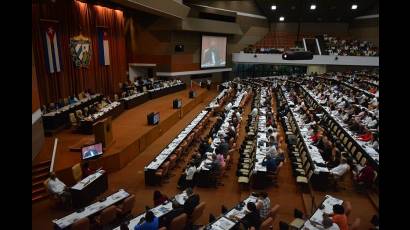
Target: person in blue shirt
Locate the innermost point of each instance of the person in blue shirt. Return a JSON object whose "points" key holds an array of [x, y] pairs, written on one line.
{"points": [[270, 163], [150, 222], [72, 100]]}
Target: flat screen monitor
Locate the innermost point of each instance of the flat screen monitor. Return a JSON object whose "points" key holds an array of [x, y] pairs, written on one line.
{"points": [[91, 151], [155, 119], [213, 51]]}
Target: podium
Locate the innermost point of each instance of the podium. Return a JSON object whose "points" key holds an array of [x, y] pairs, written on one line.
{"points": [[103, 132]]}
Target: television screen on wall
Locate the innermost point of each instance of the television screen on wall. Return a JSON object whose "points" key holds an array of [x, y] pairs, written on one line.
{"points": [[213, 51]]}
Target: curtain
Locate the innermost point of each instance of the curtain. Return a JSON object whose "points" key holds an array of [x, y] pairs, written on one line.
{"points": [[73, 18]]}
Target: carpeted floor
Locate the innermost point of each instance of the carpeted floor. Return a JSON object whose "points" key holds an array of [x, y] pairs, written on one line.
{"points": [[131, 178]]}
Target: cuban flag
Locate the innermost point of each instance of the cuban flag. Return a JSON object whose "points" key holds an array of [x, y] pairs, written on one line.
{"points": [[103, 47], [53, 49]]}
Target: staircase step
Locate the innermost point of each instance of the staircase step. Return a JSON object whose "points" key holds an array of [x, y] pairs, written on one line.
{"points": [[40, 197], [40, 169], [39, 176], [37, 184], [41, 164], [38, 191]]}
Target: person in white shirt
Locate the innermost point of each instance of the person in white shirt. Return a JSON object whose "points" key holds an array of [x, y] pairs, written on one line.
{"points": [[341, 169], [254, 112], [58, 188], [189, 174], [228, 106]]}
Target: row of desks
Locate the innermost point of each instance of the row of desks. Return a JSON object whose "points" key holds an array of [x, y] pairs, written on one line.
{"points": [[55, 120], [58, 119]]}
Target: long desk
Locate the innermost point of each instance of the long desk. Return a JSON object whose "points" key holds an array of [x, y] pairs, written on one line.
{"points": [[135, 99], [90, 210], [317, 164], [372, 154], [204, 175], [225, 221], [159, 211], [315, 221], [113, 110], [259, 170], [149, 170], [85, 191], [59, 118], [214, 103], [367, 93], [312, 150], [162, 91]]}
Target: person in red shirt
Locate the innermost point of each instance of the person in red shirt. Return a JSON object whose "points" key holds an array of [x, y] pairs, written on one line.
{"points": [[366, 137], [317, 136], [366, 175], [159, 198], [339, 217]]}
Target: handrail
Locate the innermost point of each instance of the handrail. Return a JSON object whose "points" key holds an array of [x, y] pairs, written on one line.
{"points": [[54, 153]]}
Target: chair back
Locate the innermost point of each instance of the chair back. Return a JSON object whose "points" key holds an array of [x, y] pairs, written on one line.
{"points": [[179, 222], [79, 113], [77, 172], [198, 210], [348, 208], [45, 183], [274, 211], [73, 120], [128, 204], [81, 224], [108, 215], [266, 224], [356, 224], [165, 168]]}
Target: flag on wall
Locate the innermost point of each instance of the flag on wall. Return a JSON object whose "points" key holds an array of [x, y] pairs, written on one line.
{"points": [[52, 48], [103, 47]]}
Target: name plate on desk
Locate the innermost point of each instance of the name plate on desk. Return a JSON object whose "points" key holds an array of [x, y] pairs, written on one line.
{"points": [[86, 181]]}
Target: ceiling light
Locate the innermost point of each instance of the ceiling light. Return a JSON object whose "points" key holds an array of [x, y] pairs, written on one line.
{"points": [[282, 19], [273, 7], [354, 6], [313, 6]]}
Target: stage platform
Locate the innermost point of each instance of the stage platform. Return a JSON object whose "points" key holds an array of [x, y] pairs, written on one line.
{"points": [[131, 134]]}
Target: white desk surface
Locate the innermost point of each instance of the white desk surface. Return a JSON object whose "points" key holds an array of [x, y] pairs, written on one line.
{"points": [[225, 222], [91, 209], [158, 160], [317, 217], [84, 182], [159, 210], [312, 150]]}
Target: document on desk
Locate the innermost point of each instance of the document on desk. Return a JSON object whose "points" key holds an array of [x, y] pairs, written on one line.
{"points": [[223, 223], [84, 182]]}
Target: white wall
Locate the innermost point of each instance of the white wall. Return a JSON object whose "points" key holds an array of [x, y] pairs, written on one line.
{"points": [[317, 60]]}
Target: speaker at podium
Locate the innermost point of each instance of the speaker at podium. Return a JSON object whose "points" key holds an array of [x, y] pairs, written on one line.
{"points": [[103, 132]]}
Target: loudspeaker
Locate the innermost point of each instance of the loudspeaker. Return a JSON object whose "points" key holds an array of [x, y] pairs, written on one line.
{"points": [[297, 55], [179, 48], [103, 132]]}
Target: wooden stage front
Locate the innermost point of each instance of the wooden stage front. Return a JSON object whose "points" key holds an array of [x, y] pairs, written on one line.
{"points": [[131, 134]]}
